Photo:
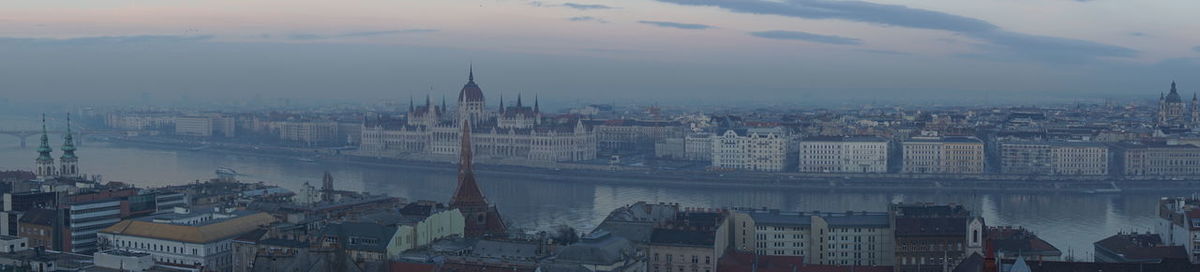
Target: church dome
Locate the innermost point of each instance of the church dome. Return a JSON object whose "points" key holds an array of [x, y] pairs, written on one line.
{"points": [[471, 92], [1173, 97]]}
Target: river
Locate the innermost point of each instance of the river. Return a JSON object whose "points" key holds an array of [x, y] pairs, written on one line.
{"points": [[1070, 221]]}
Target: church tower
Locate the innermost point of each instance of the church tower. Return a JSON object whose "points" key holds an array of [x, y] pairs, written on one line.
{"points": [[327, 191], [1195, 110], [470, 100], [69, 162], [45, 163], [481, 219], [1171, 108]]}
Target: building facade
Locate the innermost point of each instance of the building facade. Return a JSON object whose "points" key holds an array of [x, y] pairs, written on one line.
{"points": [[754, 149], [196, 126], [844, 239], [310, 132], [934, 237], [518, 132], [1173, 112], [1054, 158], [943, 155], [843, 155], [1178, 224], [1158, 160], [692, 241], [698, 147], [627, 136]]}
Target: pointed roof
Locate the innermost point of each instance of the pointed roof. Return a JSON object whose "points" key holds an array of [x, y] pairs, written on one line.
{"points": [[44, 149], [471, 91], [327, 182], [535, 103], [68, 142], [468, 193]]}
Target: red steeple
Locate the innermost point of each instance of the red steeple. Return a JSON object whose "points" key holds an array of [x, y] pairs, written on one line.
{"points": [[468, 193], [481, 218]]}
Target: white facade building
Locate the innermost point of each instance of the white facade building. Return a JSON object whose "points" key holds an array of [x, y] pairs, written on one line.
{"points": [[698, 147], [310, 132], [87, 219], [197, 126], [843, 155], [850, 238], [514, 133], [1178, 224], [755, 149], [943, 155]]}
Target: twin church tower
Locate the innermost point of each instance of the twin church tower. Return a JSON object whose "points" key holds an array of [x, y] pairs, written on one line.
{"points": [[68, 164]]}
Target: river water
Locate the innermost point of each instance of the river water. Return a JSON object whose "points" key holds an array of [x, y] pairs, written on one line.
{"points": [[1070, 221]]}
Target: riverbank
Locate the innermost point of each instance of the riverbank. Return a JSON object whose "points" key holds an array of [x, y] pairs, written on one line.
{"points": [[717, 180]]}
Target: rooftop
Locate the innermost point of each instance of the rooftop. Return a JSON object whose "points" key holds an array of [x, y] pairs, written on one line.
{"points": [[201, 233]]}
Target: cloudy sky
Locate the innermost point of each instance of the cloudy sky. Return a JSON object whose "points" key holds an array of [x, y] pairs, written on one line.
{"points": [[640, 50]]}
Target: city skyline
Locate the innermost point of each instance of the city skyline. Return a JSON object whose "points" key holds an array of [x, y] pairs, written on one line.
{"points": [[789, 51]]}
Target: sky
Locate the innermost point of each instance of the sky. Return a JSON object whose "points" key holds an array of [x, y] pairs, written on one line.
{"points": [[664, 51]]}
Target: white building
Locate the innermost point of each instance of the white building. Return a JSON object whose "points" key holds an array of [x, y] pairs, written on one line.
{"points": [[185, 238], [1054, 157], [670, 148], [310, 132], [755, 149], [426, 225], [198, 126], [943, 155], [514, 133], [698, 147], [138, 120], [205, 126], [843, 155], [850, 238], [1178, 224], [87, 219]]}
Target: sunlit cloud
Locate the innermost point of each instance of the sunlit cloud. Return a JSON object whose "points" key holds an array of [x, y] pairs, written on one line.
{"points": [[1002, 43], [586, 19], [676, 25], [309, 36], [805, 36], [585, 6], [100, 40]]}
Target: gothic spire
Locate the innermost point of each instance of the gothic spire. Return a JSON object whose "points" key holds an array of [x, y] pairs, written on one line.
{"points": [[411, 106], [427, 101], [468, 195], [535, 103], [501, 102], [471, 73], [519, 100], [68, 142], [465, 148], [44, 149]]}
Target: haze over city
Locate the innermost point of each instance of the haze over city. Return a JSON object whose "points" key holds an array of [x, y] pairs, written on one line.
{"points": [[600, 136], [796, 51]]}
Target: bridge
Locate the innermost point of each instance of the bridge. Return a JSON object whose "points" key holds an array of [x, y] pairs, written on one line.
{"points": [[23, 135]]}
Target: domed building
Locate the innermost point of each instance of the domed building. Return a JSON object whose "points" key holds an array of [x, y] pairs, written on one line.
{"points": [[1171, 110], [517, 133], [470, 100]]}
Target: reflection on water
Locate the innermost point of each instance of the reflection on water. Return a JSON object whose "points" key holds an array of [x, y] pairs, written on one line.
{"points": [[1068, 220]]}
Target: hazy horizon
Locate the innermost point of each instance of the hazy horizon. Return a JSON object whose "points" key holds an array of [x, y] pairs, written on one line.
{"points": [[664, 51]]}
